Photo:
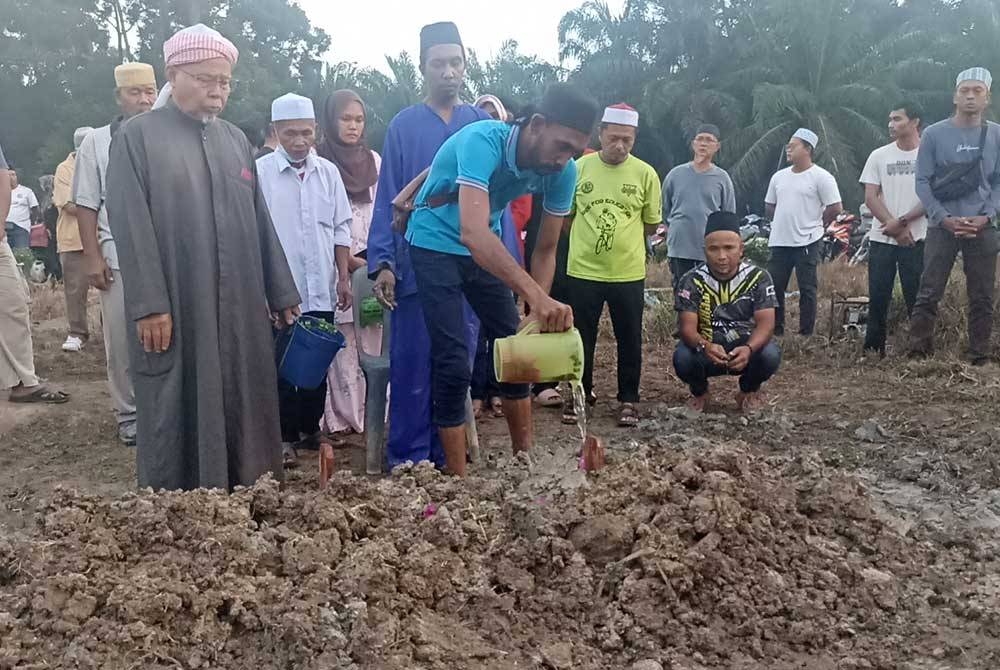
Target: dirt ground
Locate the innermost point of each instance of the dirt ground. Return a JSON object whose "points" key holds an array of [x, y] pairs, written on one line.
{"points": [[850, 526]]}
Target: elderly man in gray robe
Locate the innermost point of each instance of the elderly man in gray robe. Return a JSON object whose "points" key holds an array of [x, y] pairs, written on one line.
{"points": [[203, 270]]}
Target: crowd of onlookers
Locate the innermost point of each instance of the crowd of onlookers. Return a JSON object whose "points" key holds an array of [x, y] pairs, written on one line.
{"points": [[471, 220]]}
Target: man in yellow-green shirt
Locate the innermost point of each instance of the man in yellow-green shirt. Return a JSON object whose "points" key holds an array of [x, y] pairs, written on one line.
{"points": [[617, 205]]}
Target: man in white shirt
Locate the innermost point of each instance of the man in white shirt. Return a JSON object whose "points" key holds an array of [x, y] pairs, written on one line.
{"points": [[23, 211], [312, 215], [897, 240], [135, 92], [801, 201]]}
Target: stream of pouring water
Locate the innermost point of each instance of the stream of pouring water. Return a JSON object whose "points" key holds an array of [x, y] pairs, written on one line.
{"points": [[580, 405]]}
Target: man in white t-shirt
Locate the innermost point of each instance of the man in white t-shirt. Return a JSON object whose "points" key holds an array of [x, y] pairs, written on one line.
{"points": [[897, 240], [23, 212], [801, 201]]}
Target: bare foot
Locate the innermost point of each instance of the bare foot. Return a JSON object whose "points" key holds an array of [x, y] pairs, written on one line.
{"points": [[698, 403], [750, 402]]}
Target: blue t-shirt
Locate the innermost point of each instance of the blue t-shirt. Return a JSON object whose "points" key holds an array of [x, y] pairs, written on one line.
{"points": [[482, 155]]}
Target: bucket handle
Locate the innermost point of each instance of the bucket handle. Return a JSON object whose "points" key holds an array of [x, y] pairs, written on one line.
{"points": [[529, 328]]}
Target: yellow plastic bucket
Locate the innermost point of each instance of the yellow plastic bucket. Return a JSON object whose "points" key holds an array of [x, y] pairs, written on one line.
{"points": [[531, 357]]}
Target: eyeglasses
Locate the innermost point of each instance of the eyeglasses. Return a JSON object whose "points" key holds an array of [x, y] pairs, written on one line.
{"points": [[207, 81]]}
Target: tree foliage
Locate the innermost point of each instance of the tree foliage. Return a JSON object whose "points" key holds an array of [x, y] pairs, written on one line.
{"points": [[57, 59], [756, 68]]}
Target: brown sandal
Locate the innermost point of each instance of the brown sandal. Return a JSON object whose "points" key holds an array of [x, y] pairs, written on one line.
{"points": [[569, 416], [628, 417]]}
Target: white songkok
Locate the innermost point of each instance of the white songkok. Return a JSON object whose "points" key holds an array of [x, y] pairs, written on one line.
{"points": [[975, 74], [291, 106], [807, 135], [621, 115]]}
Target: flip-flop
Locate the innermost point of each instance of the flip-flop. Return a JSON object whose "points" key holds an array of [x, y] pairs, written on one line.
{"points": [[289, 456], [43, 395], [569, 416], [628, 417], [549, 398]]}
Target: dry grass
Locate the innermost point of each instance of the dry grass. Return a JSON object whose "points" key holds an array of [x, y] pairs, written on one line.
{"points": [[47, 301], [835, 280], [658, 275]]}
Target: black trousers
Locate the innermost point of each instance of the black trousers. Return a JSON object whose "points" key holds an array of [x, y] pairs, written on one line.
{"points": [[443, 280], [680, 267], [484, 384], [802, 261], [884, 261], [626, 301], [979, 260], [300, 410]]}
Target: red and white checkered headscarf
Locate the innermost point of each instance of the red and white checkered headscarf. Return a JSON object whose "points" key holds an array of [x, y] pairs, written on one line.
{"points": [[198, 43]]}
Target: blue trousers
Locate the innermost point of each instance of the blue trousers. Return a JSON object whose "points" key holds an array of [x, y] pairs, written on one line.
{"points": [[694, 368], [442, 281], [17, 237]]}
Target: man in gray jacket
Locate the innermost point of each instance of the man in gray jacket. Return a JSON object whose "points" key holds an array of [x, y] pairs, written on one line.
{"points": [[691, 192], [961, 208]]}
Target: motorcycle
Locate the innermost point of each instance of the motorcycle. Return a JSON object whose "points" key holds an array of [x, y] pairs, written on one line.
{"points": [[867, 223], [756, 232], [843, 238], [656, 244], [753, 226]]}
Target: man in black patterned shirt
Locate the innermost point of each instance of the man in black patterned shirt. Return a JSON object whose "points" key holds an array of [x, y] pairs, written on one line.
{"points": [[726, 313]]}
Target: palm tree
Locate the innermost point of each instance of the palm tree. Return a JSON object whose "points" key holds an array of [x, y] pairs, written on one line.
{"points": [[824, 66], [516, 78], [614, 53]]}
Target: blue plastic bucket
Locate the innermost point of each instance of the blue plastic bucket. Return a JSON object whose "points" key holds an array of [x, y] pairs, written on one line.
{"points": [[304, 355]]}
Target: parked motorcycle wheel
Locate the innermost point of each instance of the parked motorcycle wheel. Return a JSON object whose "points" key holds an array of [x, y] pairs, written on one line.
{"points": [[861, 255]]}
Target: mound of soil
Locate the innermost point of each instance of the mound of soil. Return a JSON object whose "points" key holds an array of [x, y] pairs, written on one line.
{"points": [[679, 556]]}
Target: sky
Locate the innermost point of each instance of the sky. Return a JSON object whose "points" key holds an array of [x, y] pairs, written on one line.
{"points": [[365, 30]]}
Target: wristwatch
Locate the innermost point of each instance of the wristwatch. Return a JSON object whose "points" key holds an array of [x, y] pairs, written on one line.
{"points": [[701, 347]]}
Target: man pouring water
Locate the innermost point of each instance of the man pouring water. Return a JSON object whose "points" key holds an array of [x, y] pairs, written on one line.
{"points": [[457, 252]]}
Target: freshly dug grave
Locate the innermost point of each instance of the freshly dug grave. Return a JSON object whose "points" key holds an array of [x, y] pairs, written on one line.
{"points": [[682, 554]]}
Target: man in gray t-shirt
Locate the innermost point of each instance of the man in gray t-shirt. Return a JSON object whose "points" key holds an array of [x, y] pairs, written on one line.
{"points": [[691, 192], [965, 223]]}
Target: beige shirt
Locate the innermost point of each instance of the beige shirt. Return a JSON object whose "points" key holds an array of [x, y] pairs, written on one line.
{"points": [[67, 229]]}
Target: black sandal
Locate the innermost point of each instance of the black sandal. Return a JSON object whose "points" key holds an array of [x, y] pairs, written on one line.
{"points": [[289, 457], [43, 395]]}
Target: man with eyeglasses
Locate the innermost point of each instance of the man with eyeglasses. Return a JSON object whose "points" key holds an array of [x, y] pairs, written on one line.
{"points": [[691, 192], [202, 269]]}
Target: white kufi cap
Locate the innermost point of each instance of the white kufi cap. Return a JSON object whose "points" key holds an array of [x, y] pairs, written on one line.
{"points": [[975, 74], [621, 115], [807, 135], [291, 106]]}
